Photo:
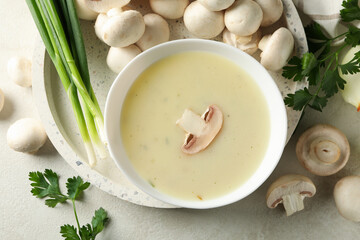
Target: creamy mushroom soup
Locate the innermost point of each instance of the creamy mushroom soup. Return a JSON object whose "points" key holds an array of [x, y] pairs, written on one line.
{"points": [[153, 141]]}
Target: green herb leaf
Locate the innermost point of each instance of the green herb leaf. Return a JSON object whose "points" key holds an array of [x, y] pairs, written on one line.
{"points": [[98, 221], [293, 70], [75, 187], [351, 11], [332, 82], [299, 100], [318, 103], [309, 62], [69, 232], [86, 232], [47, 185], [353, 66], [314, 31], [353, 36]]}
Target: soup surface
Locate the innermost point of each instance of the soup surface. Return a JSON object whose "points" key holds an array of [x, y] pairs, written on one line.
{"points": [[153, 141]]}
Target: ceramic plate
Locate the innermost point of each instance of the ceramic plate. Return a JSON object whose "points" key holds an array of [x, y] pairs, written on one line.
{"points": [[56, 113]]}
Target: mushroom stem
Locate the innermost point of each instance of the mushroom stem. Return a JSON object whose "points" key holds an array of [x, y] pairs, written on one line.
{"points": [[293, 203], [191, 122]]}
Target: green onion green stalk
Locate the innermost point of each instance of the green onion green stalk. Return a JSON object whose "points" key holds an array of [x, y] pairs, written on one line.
{"points": [[59, 28]]}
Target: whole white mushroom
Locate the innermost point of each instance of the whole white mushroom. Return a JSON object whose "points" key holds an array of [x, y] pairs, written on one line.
{"points": [[102, 6], [170, 9], [272, 11], [347, 197], [156, 31], [19, 70], [84, 12], [2, 100], [202, 22], [26, 135], [123, 29], [277, 49], [216, 5], [248, 44], [244, 17], [118, 58]]}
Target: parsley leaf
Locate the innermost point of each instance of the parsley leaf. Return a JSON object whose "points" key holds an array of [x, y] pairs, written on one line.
{"points": [[69, 232], [319, 103], [314, 32], [352, 66], [294, 70], [76, 186], [332, 82], [351, 11], [97, 225], [47, 185], [309, 62], [353, 36], [299, 100], [320, 66], [99, 220]]}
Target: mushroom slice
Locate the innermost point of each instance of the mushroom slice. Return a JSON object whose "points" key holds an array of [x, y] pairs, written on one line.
{"points": [[347, 197], [277, 49], [201, 131], [323, 150], [102, 6], [248, 44], [290, 190]]}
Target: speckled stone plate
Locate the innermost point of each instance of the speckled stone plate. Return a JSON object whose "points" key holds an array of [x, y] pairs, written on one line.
{"points": [[57, 116]]}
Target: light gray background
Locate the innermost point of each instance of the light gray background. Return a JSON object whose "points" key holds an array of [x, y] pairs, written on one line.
{"points": [[22, 216]]}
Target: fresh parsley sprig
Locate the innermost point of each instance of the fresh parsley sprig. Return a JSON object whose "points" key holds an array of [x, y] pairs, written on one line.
{"points": [[46, 185], [320, 65]]}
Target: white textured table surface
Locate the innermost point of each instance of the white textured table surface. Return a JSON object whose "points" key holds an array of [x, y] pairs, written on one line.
{"points": [[22, 216]]}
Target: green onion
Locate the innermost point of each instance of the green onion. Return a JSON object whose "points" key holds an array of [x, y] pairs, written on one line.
{"points": [[60, 31]]}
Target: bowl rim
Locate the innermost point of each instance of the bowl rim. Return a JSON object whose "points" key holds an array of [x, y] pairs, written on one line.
{"points": [[122, 82]]}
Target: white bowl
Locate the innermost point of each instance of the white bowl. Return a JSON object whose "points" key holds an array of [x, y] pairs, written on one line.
{"points": [[123, 82]]}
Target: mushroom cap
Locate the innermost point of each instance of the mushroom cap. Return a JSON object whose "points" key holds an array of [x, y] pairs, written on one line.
{"points": [[200, 131], [118, 58], [19, 70], [2, 100], [244, 17], [272, 11], [26, 135], [156, 31], [216, 5], [84, 12], [286, 185], [203, 23], [102, 6], [99, 24], [169, 9], [323, 150], [347, 197], [277, 49], [124, 29], [248, 44]]}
